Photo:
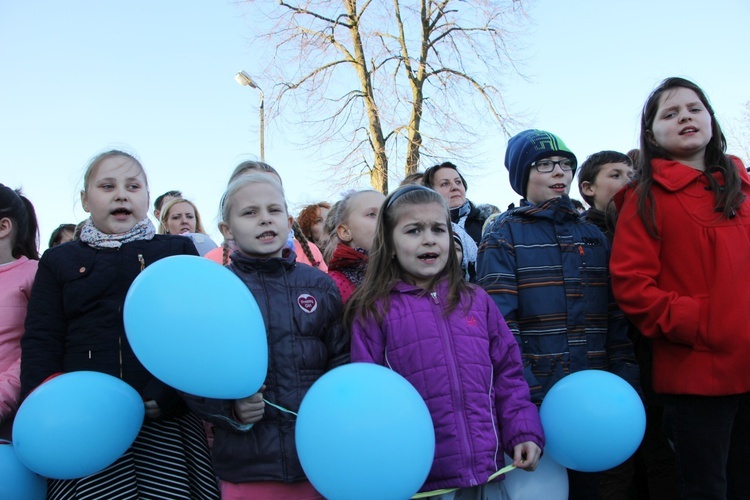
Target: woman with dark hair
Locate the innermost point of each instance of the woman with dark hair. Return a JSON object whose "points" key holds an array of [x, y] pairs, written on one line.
{"points": [[19, 259], [468, 220], [448, 181]]}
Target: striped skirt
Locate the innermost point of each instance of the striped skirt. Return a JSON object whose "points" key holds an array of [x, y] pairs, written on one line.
{"points": [[168, 460]]}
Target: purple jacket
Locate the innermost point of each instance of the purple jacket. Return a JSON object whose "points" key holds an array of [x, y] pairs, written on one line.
{"points": [[467, 367]]}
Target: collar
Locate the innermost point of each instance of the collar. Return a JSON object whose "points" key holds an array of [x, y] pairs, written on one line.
{"points": [[403, 287], [674, 176], [287, 261], [558, 209]]}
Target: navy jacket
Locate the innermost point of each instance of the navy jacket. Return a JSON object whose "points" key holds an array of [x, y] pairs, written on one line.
{"points": [[302, 310], [547, 271]]}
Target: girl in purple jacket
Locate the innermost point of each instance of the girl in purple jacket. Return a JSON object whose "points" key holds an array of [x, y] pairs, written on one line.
{"points": [[415, 314]]}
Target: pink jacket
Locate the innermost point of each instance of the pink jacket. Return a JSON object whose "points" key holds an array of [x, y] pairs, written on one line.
{"points": [[16, 279]]}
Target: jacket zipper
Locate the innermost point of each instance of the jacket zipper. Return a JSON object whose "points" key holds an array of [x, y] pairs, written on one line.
{"points": [[457, 395], [583, 266], [119, 342]]}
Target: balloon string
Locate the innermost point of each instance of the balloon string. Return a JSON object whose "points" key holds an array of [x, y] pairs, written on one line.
{"points": [[502, 471], [434, 493], [281, 408]]}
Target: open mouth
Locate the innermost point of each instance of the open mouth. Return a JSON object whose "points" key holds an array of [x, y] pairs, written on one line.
{"points": [[688, 130], [557, 186], [121, 213], [267, 236], [185, 230], [428, 257]]}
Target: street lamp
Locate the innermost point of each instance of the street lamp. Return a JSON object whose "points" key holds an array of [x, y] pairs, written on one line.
{"points": [[244, 79]]}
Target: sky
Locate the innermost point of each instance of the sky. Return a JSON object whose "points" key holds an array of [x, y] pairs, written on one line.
{"points": [[157, 79]]}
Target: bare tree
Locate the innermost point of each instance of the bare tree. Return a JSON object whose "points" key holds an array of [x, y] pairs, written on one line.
{"points": [[388, 79], [738, 136]]}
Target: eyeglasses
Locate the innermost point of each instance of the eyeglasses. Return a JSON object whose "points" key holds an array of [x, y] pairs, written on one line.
{"points": [[547, 166]]}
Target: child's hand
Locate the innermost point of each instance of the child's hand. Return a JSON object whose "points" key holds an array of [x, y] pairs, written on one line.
{"points": [[152, 409], [250, 409], [526, 455]]}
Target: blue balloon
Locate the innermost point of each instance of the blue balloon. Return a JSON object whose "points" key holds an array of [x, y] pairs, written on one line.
{"points": [[77, 424], [363, 431], [195, 325], [593, 420], [548, 481], [16, 480]]}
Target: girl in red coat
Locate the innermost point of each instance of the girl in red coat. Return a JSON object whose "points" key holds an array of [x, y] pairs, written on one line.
{"points": [[680, 264]]}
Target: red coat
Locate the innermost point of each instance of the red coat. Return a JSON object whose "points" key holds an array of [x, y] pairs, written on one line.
{"points": [[689, 290]]}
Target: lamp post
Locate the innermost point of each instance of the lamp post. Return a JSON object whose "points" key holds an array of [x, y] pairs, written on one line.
{"points": [[244, 79]]}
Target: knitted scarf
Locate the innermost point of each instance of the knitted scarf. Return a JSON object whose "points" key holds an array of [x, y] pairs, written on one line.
{"points": [[458, 214], [93, 237], [351, 262]]}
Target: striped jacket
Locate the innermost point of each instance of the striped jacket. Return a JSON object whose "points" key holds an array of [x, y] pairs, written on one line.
{"points": [[547, 271]]}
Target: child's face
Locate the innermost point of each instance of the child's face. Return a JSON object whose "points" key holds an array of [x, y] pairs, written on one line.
{"points": [[609, 180], [421, 239], [258, 221], [545, 186], [116, 195], [181, 218], [448, 183], [317, 228], [682, 125], [358, 230]]}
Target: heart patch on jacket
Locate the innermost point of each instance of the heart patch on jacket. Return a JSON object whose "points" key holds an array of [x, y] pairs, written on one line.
{"points": [[307, 302]]}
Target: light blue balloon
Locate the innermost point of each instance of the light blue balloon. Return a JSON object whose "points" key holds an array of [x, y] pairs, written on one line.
{"points": [[16, 480], [363, 431], [549, 481], [195, 325], [593, 420], [77, 424]]}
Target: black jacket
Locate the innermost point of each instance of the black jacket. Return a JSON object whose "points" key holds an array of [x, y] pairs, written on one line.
{"points": [[302, 310], [74, 320]]}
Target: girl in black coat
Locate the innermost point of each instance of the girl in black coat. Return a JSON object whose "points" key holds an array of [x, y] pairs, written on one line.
{"points": [[75, 323]]}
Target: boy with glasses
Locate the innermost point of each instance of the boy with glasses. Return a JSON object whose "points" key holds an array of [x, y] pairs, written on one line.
{"points": [[547, 271]]}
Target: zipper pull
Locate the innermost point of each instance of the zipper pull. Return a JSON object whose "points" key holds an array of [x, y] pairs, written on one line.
{"points": [[580, 250], [434, 297], [142, 261]]}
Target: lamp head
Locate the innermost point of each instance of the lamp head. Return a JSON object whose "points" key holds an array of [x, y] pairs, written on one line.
{"points": [[244, 79]]}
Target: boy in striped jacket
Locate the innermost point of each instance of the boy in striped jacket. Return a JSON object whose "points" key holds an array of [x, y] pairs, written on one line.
{"points": [[547, 271]]}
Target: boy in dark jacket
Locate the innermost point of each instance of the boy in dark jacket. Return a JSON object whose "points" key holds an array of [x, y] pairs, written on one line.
{"points": [[547, 271]]}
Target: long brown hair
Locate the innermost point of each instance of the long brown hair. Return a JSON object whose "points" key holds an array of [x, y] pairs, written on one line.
{"points": [[384, 270], [728, 197]]}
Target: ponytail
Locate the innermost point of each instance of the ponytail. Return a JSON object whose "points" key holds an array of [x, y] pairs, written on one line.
{"points": [[20, 211], [304, 244]]}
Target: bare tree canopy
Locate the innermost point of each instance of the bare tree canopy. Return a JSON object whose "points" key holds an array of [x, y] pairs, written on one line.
{"points": [[738, 136], [380, 81]]}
